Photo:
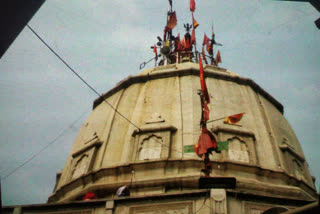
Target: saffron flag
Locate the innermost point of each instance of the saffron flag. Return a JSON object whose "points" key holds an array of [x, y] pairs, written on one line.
{"points": [[205, 40], [203, 82], [194, 22], [155, 51], [172, 22], [204, 56], [192, 5], [233, 119], [218, 57]]}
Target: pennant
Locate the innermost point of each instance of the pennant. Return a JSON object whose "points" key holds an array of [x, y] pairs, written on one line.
{"points": [[205, 40], [155, 51], [204, 56], [206, 143], [192, 5], [223, 145], [233, 119], [218, 57], [203, 82], [172, 22], [193, 37], [194, 22], [170, 2]]}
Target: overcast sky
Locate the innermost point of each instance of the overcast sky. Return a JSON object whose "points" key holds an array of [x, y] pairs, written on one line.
{"points": [[274, 43]]}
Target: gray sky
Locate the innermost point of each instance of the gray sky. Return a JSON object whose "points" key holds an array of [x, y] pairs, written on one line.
{"points": [[274, 43]]}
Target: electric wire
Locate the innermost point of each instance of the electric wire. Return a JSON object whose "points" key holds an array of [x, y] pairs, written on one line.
{"points": [[44, 148], [85, 82], [94, 90]]}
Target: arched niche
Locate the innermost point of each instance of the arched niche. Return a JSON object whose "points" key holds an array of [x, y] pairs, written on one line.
{"points": [[150, 148], [241, 147]]}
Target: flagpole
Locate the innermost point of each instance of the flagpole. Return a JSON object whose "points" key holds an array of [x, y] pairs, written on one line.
{"points": [[210, 121], [195, 41]]}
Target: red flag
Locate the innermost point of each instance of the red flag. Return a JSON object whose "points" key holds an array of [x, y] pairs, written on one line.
{"points": [[233, 119], [218, 57], [172, 22], [192, 5], [204, 56], [206, 143], [205, 40], [194, 22], [193, 37], [203, 82], [155, 51], [205, 112]]}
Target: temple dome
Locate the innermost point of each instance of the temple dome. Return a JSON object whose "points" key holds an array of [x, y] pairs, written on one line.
{"points": [[146, 144]]}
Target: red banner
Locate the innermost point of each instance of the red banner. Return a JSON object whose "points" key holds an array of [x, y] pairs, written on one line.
{"points": [[203, 82]]}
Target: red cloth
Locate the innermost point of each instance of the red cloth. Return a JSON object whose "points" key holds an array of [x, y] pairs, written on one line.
{"points": [[205, 40], [155, 51], [206, 143], [192, 5], [205, 113], [172, 22], [203, 82], [89, 196]]}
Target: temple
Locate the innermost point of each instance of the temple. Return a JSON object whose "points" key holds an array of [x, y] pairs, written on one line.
{"points": [[139, 151]]}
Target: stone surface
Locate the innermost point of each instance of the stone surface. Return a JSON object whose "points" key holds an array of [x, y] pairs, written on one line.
{"points": [[149, 154]]}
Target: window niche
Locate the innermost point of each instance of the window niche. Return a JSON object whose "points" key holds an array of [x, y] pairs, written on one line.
{"points": [[83, 159], [241, 147], [295, 163], [153, 139]]}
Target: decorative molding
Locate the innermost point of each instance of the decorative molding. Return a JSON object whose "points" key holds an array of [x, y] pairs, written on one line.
{"points": [[187, 71], [86, 148], [286, 147], [218, 129], [219, 201], [155, 118], [291, 189], [154, 129], [184, 207]]}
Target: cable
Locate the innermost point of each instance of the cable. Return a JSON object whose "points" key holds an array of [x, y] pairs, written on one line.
{"points": [[44, 148], [95, 91]]}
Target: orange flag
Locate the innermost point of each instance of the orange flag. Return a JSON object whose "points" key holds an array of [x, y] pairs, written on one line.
{"points": [[205, 40], [218, 57], [172, 22], [203, 82], [155, 51], [233, 119], [194, 22], [192, 5]]}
